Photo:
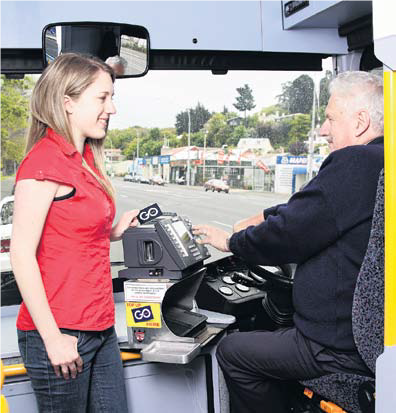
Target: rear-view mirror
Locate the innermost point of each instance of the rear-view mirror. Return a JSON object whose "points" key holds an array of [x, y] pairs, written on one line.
{"points": [[124, 47]]}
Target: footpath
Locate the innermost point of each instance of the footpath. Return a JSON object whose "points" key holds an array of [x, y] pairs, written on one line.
{"points": [[6, 186]]}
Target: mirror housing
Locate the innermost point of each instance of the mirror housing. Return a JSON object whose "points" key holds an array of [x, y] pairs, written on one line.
{"points": [[124, 47]]}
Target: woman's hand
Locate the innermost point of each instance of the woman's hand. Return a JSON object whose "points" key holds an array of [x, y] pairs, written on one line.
{"points": [[63, 354], [127, 220], [213, 236]]}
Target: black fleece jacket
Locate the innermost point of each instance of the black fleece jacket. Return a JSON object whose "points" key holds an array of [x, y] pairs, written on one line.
{"points": [[325, 230]]}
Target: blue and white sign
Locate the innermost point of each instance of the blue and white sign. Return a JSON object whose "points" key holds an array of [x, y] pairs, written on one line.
{"points": [[164, 159], [291, 160]]}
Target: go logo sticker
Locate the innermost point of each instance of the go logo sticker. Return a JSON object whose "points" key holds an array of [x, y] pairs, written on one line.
{"points": [[142, 314], [149, 213]]}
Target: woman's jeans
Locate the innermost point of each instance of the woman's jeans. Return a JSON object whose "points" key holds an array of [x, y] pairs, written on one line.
{"points": [[98, 388]]}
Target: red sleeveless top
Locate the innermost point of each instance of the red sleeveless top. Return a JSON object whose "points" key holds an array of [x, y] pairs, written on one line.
{"points": [[74, 250]]}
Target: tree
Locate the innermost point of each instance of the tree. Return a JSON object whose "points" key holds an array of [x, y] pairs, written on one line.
{"points": [[300, 126], [14, 116], [151, 148], [297, 96], [198, 117], [218, 131], [297, 148], [277, 132], [120, 138], [197, 138], [245, 100], [155, 134], [238, 133], [324, 95]]}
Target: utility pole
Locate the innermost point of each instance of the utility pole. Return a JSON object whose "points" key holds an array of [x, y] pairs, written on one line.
{"points": [[188, 149], [311, 133], [137, 147], [204, 157]]}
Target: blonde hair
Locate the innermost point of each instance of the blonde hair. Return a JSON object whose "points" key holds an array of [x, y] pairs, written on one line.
{"points": [[69, 74]]}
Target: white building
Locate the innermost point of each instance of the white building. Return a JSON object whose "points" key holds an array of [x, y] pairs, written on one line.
{"points": [[262, 144]]}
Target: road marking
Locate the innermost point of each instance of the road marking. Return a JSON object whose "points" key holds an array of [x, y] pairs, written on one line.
{"points": [[155, 190], [221, 223]]}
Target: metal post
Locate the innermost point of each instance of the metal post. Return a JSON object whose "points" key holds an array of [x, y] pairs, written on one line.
{"points": [[137, 148], [204, 157], [111, 156], [311, 134], [188, 149]]}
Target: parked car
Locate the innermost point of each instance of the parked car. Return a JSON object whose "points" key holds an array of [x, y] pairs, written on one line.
{"points": [[216, 185], [143, 180], [6, 213], [128, 178], [181, 180], [157, 180]]}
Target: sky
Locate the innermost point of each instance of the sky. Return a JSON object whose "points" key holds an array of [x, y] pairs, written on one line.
{"points": [[155, 99]]}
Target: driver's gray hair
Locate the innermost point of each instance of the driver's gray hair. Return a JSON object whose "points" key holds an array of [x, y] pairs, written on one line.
{"points": [[361, 90], [116, 60]]}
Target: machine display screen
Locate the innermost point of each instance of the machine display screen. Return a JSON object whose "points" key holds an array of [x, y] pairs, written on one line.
{"points": [[182, 231]]}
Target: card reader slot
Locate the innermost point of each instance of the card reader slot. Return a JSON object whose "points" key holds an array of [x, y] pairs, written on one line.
{"points": [[148, 247], [184, 323]]}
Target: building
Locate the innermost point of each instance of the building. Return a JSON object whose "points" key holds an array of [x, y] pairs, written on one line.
{"points": [[261, 144], [113, 155]]}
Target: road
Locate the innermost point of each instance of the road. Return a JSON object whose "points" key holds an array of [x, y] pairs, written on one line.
{"points": [[137, 61], [218, 209]]}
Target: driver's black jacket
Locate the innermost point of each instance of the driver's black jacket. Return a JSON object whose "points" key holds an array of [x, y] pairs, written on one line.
{"points": [[325, 230]]}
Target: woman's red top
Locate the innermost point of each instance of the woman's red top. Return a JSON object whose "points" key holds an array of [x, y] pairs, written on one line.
{"points": [[74, 250]]}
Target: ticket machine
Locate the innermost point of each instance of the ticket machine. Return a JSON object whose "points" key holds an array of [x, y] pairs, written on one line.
{"points": [[164, 271]]}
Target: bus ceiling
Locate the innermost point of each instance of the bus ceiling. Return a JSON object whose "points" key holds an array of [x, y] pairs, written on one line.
{"points": [[189, 35]]}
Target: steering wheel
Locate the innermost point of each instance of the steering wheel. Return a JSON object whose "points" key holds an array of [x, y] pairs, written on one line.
{"points": [[279, 275]]}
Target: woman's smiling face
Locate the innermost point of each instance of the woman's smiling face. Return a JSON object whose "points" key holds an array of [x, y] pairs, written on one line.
{"points": [[89, 115]]}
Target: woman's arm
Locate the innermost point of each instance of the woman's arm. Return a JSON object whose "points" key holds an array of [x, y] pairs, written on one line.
{"points": [[128, 219], [32, 202]]}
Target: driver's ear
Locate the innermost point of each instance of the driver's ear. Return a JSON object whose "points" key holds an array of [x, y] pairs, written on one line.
{"points": [[363, 122]]}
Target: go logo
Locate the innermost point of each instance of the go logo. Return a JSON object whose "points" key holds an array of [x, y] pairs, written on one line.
{"points": [[142, 314], [150, 213]]}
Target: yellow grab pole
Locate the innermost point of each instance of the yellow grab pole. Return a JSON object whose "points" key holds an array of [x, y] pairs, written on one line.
{"points": [[19, 369], [14, 370], [4, 405], [390, 207], [125, 356]]}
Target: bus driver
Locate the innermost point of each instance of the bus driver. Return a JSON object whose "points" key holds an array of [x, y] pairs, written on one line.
{"points": [[324, 228]]}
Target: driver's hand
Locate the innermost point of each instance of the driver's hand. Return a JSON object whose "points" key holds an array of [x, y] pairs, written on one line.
{"points": [[247, 222], [212, 236]]}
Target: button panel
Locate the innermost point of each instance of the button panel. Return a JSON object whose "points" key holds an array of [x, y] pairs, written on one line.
{"points": [[242, 288], [226, 290]]}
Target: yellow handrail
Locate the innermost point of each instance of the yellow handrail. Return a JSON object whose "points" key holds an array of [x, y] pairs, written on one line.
{"points": [[390, 202], [20, 369], [125, 356]]}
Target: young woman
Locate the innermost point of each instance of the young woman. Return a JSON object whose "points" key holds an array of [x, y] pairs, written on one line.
{"points": [[62, 228]]}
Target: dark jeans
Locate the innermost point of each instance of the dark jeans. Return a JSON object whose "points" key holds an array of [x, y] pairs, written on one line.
{"points": [[258, 366], [98, 388]]}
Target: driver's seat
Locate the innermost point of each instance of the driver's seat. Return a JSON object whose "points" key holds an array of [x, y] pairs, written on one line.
{"points": [[367, 321]]}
